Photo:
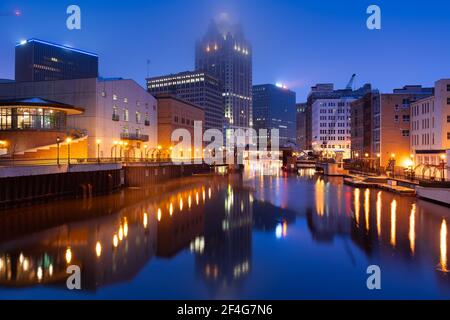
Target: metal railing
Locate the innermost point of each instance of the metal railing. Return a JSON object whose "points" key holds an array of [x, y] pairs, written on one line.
{"points": [[135, 137], [19, 162]]}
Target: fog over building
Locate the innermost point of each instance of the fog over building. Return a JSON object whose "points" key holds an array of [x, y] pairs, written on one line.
{"points": [[225, 53]]}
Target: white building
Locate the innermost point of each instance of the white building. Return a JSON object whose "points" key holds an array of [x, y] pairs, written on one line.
{"points": [[117, 111], [430, 130], [331, 132]]}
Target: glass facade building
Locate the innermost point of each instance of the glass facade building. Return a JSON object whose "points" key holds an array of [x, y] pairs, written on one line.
{"points": [[34, 115], [38, 60], [274, 108]]}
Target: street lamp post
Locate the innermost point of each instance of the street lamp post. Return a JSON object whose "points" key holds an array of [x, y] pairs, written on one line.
{"points": [[392, 164], [443, 167], [144, 153], [159, 153], [58, 142], [68, 141], [114, 150], [98, 150]]}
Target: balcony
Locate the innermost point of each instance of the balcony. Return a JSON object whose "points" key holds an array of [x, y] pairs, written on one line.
{"points": [[134, 137]]}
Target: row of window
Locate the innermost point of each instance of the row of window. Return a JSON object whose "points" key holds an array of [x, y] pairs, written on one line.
{"points": [[405, 118], [334, 131], [335, 146], [185, 121], [332, 111], [334, 138], [334, 125], [126, 116]]}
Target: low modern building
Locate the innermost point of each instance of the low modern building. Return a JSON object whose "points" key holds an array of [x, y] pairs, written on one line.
{"points": [[274, 108], [301, 126], [119, 119], [197, 87], [38, 60], [331, 122], [430, 131], [27, 124], [175, 113]]}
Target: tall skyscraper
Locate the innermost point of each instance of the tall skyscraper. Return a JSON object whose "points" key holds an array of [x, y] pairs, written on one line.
{"points": [[196, 87], [274, 108], [225, 53], [38, 60]]}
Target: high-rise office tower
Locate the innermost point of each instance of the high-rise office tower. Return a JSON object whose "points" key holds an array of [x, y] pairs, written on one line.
{"points": [[274, 108], [38, 60], [196, 87], [225, 53]]}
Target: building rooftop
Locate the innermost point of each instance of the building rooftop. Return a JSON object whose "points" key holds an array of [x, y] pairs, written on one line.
{"points": [[33, 40], [176, 98], [42, 103]]}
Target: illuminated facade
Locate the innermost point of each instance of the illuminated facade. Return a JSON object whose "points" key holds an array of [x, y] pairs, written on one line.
{"points": [[331, 122], [391, 129], [196, 87], [175, 113], [430, 128], [44, 120], [120, 118], [225, 53], [327, 91], [38, 60]]}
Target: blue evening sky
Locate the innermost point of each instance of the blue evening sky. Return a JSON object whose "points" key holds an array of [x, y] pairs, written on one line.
{"points": [[297, 42]]}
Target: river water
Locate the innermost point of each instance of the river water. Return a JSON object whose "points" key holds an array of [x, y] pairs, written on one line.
{"points": [[233, 237]]}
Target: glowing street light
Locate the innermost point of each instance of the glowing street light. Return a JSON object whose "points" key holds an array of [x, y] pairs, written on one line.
{"points": [[68, 141], [98, 150]]}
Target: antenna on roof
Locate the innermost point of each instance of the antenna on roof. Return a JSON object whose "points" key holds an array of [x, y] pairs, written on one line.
{"points": [[148, 67]]}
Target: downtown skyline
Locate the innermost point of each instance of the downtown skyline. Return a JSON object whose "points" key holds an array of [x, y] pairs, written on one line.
{"points": [[314, 42]]}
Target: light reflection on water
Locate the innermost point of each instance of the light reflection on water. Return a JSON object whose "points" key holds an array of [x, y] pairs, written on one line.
{"points": [[257, 236]]}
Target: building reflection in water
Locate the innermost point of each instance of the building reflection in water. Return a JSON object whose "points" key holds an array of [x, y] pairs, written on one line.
{"points": [[224, 258], [213, 220], [108, 249], [410, 233]]}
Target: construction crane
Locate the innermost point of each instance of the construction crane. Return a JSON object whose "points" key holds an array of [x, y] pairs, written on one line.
{"points": [[350, 83]]}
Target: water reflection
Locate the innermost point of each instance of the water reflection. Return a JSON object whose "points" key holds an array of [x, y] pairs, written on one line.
{"points": [[443, 246], [394, 223], [224, 225]]}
